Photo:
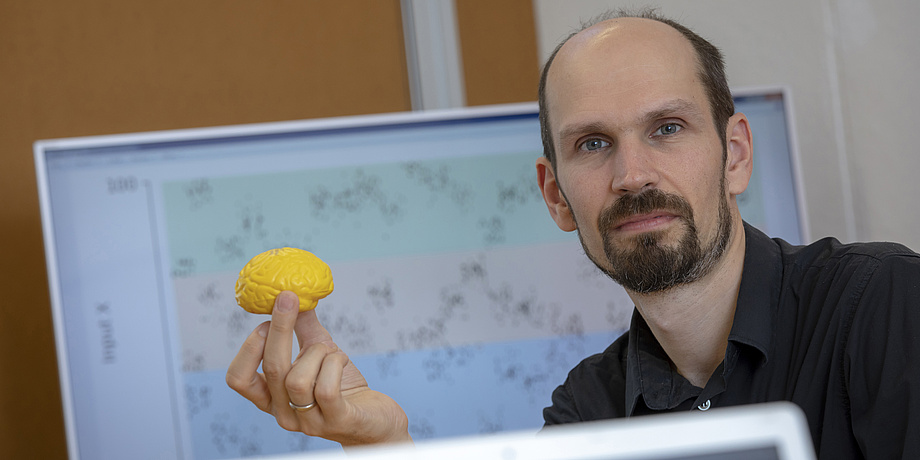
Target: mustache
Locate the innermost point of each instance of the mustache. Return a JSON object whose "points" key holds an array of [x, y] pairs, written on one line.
{"points": [[643, 203]]}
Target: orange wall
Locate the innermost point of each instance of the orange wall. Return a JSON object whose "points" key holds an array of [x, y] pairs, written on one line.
{"points": [[499, 50]]}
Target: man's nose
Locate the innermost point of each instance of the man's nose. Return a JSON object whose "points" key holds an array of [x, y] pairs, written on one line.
{"points": [[634, 168]]}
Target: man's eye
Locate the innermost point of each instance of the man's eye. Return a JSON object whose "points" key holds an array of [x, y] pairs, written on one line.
{"points": [[595, 144], [668, 129]]}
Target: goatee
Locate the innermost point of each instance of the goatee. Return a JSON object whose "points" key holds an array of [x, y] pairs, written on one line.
{"points": [[644, 264]]}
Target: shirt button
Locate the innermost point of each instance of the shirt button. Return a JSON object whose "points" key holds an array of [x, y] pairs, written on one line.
{"points": [[705, 406]]}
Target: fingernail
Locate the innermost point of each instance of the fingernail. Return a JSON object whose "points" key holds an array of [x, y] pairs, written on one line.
{"points": [[262, 330], [285, 303]]}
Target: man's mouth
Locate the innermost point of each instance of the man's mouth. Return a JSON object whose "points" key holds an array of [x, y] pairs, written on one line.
{"points": [[645, 222]]}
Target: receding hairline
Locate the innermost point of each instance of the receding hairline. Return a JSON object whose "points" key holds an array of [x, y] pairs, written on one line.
{"points": [[602, 27], [607, 25]]}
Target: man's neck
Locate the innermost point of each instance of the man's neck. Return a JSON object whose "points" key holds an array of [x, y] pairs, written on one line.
{"points": [[692, 322]]}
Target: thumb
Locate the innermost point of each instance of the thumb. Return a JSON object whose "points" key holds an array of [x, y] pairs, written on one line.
{"points": [[309, 331]]}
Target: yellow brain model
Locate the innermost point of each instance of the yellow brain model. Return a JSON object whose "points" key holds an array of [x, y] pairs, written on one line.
{"points": [[285, 269]]}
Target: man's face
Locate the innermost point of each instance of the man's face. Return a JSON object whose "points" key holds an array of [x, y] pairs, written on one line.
{"points": [[639, 162]]}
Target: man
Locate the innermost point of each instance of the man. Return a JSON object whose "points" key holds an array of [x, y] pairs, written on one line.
{"points": [[644, 157]]}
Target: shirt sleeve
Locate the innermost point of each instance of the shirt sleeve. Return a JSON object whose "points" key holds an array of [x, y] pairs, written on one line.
{"points": [[882, 367]]}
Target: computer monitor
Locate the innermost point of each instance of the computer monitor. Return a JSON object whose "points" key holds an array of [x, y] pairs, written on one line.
{"points": [[452, 282], [772, 431]]}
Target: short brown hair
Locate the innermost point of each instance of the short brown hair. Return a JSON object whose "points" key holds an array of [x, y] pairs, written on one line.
{"points": [[711, 74]]}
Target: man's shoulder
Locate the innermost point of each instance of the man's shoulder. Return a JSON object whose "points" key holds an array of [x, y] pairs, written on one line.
{"points": [[829, 252], [594, 389], [830, 273], [608, 364], [825, 275]]}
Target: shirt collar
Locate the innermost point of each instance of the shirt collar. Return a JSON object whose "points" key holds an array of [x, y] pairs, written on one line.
{"points": [[761, 282], [648, 370], [647, 366]]}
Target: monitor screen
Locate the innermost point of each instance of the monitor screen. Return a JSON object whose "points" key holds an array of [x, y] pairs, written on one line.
{"points": [[456, 294]]}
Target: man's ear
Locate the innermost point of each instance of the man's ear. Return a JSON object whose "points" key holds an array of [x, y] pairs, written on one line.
{"points": [[552, 195], [740, 160]]}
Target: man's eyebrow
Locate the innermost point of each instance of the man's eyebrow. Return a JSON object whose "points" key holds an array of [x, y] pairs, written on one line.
{"points": [[668, 109], [577, 130], [672, 108]]}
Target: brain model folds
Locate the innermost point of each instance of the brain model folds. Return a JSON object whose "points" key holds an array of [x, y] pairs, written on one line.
{"points": [[284, 269]]}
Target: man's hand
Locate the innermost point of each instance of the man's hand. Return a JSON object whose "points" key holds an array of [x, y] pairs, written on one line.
{"points": [[344, 409]]}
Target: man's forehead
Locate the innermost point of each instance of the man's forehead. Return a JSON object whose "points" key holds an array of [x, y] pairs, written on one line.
{"points": [[633, 40], [634, 51]]}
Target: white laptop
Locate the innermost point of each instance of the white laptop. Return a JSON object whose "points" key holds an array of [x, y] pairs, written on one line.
{"points": [[773, 431]]}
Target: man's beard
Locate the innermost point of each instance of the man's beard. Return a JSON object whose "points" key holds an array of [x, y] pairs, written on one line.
{"points": [[644, 264]]}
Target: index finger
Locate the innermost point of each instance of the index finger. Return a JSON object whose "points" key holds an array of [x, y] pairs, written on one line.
{"points": [[243, 373]]}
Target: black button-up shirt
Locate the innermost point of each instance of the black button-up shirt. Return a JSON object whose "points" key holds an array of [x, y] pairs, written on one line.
{"points": [[833, 328]]}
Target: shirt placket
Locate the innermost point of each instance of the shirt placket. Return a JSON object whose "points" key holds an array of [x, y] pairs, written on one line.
{"points": [[717, 383]]}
